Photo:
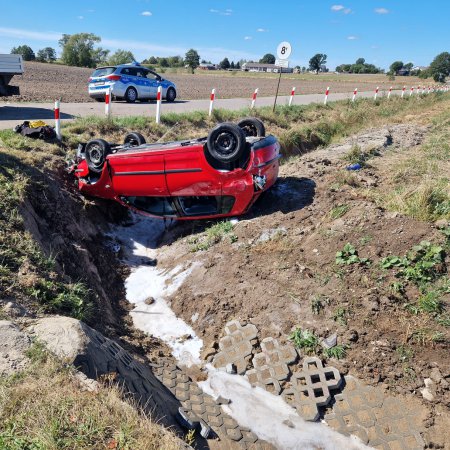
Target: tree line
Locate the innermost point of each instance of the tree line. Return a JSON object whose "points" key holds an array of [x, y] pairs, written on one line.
{"points": [[81, 50]]}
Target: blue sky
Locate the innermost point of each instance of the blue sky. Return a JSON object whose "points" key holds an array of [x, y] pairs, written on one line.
{"points": [[380, 31]]}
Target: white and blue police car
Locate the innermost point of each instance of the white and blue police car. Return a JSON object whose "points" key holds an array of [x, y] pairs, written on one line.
{"points": [[130, 82]]}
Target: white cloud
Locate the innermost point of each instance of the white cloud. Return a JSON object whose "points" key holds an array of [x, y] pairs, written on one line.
{"points": [[214, 11], [146, 13], [227, 12], [261, 30], [35, 35], [352, 38], [91, 10], [248, 38], [80, 17], [342, 8], [381, 11]]}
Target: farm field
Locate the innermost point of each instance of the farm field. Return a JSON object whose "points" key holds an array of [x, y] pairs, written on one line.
{"points": [[47, 82]]}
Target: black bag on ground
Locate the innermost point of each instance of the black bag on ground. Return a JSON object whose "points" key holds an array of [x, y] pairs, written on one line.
{"points": [[36, 130]]}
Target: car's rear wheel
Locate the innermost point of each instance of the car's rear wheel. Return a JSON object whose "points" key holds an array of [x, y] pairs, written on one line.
{"points": [[96, 152], [252, 127], [171, 95], [134, 139], [226, 142], [131, 95]]}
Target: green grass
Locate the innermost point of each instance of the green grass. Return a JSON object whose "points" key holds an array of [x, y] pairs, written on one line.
{"points": [[336, 352], [213, 235], [305, 340], [349, 255], [339, 211]]}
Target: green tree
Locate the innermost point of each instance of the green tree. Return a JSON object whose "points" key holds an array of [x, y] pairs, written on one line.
{"points": [[360, 61], [232, 66], [175, 61], [440, 67], [395, 67], [163, 62], [317, 61], [224, 64], [237, 66], [47, 54], [408, 66], [192, 59], [24, 50], [152, 60], [268, 58], [78, 50], [121, 57]]}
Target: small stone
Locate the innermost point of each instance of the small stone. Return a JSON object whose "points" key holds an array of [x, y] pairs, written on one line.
{"points": [[427, 393], [222, 400], [441, 223], [288, 423], [149, 301], [352, 336], [436, 375], [231, 368], [330, 341]]}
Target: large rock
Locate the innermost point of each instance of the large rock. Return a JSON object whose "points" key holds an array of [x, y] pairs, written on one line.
{"points": [[95, 355], [13, 347]]}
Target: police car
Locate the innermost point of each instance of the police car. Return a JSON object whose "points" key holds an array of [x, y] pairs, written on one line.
{"points": [[130, 82]]}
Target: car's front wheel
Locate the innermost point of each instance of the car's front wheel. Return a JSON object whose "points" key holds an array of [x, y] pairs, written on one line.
{"points": [[252, 127], [96, 152], [171, 95], [226, 142], [131, 95], [134, 139]]}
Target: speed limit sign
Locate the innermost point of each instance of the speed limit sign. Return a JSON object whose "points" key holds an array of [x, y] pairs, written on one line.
{"points": [[284, 50]]}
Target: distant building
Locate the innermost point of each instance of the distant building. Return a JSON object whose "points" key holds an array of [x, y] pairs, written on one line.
{"points": [[207, 66], [259, 67]]}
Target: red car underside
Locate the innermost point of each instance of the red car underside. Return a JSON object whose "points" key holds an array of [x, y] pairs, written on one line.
{"points": [[179, 174]]}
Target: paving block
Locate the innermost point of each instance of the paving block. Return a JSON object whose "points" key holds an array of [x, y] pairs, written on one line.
{"points": [[236, 346]]}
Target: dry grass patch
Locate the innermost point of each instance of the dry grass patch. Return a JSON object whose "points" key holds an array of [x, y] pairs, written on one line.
{"points": [[44, 408]]}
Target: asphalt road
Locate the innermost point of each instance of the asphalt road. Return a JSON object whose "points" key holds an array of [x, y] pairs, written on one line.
{"points": [[12, 114]]}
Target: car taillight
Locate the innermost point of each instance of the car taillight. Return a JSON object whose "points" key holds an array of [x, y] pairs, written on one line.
{"points": [[113, 77]]}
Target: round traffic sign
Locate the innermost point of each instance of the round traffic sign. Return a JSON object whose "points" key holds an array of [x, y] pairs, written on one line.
{"points": [[284, 50]]}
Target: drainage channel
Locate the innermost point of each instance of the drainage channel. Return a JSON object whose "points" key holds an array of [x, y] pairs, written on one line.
{"points": [[233, 407]]}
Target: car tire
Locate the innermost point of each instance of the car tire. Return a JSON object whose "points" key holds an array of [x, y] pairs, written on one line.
{"points": [[131, 95], [226, 142], [171, 95], [252, 127], [96, 152], [134, 138]]}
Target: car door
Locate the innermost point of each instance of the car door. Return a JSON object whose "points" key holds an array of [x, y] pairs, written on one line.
{"points": [[188, 173], [144, 83], [139, 173], [155, 81]]}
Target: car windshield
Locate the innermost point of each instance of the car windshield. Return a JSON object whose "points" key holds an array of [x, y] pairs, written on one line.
{"points": [[103, 71]]}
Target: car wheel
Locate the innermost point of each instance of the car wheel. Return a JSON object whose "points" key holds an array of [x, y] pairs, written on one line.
{"points": [[99, 99], [134, 139], [96, 151], [226, 142], [171, 95], [252, 127], [131, 95]]}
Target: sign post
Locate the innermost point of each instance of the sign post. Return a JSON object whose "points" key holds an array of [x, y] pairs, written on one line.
{"points": [[284, 50]]}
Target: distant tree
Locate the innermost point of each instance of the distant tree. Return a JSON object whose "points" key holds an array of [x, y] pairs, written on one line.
{"points": [[395, 67], [424, 74], [317, 61], [175, 61], [47, 54], [224, 64], [163, 62], [440, 67], [152, 60], [232, 65], [360, 61], [303, 69], [192, 59], [24, 50], [408, 66], [78, 50], [268, 58], [237, 66], [121, 57]]}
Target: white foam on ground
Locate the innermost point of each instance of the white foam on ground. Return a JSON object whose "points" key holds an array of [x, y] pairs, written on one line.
{"points": [[138, 243], [264, 413]]}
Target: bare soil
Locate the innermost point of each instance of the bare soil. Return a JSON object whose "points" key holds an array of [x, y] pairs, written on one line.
{"points": [[284, 260], [46, 82]]}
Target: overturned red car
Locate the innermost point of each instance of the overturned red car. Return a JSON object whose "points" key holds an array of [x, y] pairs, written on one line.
{"points": [[217, 176]]}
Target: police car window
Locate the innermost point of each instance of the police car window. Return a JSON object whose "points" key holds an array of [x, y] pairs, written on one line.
{"points": [[133, 72], [141, 73], [103, 71], [153, 76], [125, 71]]}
